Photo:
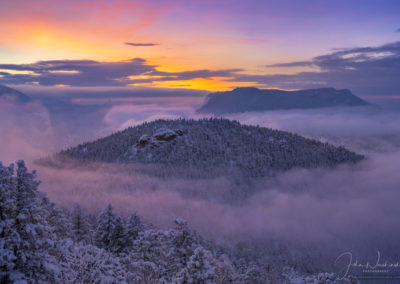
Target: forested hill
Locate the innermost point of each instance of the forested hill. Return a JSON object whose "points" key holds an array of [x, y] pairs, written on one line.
{"points": [[253, 99], [212, 144]]}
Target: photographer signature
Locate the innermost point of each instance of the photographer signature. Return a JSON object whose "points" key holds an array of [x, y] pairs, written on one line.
{"points": [[378, 266]]}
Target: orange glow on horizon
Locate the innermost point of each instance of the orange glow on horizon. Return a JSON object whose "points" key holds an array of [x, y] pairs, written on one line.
{"points": [[98, 30], [101, 36], [197, 84]]}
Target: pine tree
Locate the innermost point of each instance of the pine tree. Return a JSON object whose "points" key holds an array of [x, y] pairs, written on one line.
{"points": [[199, 269], [110, 230], [7, 232], [26, 237], [254, 275], [133, 227], [59, 221], [80, 225], [119, 242], [186, 240]]}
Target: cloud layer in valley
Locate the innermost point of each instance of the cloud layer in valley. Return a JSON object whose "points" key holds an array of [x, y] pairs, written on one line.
{"points": [[362, 129], [25, 131], [350, 207]]}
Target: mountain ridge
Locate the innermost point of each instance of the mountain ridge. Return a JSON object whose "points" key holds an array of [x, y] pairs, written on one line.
{"points": [[253, 99]]}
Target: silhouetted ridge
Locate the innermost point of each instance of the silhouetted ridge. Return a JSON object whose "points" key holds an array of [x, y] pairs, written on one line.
{"points": [[253, 99]]}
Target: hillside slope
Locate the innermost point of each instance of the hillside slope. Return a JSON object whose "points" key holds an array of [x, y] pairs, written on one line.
{"points": [[253, 99], [212, 145], [13, 96]]}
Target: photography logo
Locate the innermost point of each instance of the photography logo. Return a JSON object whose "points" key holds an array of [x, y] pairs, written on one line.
{"points": [[378, 268]]}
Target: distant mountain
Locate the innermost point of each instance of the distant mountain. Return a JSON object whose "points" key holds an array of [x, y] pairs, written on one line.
{"points": [[13, 95], [253, 99], [212, 146], [70, 122]]}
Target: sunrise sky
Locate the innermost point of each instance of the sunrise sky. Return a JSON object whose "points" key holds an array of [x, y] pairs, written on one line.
{"points": [[206, 45]]}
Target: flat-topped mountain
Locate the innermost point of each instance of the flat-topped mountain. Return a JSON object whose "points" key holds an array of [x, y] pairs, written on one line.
{"points": [[212, 144], [253, 99]]}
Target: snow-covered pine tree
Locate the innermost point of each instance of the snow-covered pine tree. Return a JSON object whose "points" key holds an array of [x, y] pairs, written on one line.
{"points": [[255, 275], [7, 204], [133, 227], [85, 263], [80, 225], [151, 253], [110, 230], [225, 270], [59, 221], [119, 241], [26, 237], [185, 242], [199, 269]]}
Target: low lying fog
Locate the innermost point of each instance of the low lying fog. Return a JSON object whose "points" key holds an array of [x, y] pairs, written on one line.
{"points": [[350, 208]]}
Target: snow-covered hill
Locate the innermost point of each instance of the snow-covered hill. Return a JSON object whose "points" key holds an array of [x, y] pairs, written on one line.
{"points": [[253, 99], [213, 145]]}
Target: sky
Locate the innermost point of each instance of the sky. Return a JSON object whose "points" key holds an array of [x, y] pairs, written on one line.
{"points": [[202, 45]]}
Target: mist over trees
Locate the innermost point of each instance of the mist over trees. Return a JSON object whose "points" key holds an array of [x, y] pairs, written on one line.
{"points": [[41, 243]]}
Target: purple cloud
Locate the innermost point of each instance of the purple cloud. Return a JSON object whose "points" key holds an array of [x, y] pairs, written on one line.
{"points": [[364, 70], [95, 73], [141, 44]]}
